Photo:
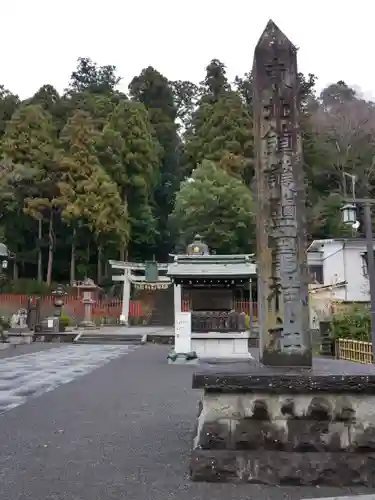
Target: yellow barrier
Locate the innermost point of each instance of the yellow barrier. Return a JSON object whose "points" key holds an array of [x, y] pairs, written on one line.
{"points": [[354, 350]]}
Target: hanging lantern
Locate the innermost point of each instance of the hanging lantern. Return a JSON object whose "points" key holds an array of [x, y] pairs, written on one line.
{"points": [[349, 214]]}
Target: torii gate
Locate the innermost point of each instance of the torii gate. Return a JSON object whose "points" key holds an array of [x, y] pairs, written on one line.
{"points": [[153, 281]]}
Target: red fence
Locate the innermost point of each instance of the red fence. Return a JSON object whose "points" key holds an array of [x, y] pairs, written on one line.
{"points": [[106, 308], [9, 303]]}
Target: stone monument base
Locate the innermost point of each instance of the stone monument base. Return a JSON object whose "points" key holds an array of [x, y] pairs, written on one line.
{"points": [[221, 345], [19, 336], [285, 426]]}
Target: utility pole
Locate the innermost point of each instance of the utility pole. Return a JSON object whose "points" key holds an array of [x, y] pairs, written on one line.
{"points": [[370, 268], [350, 217]]}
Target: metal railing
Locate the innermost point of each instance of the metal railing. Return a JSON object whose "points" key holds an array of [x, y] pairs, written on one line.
{"points": [[354, 350]]}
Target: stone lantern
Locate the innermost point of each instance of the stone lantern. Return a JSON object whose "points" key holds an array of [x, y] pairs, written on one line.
{"points": [[88, 288], [59, 294]]}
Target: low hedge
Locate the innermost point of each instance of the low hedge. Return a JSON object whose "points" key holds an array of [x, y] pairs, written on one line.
{"points": [[354, 323]]}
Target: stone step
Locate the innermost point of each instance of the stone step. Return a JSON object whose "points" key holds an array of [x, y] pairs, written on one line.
{"points": [[105, 338]]}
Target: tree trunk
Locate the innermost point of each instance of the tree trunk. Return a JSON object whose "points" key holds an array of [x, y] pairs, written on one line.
{"points": [[100, 269], [124, 250], [73, 258], [15, 270], [50, 250], [40, 261]]}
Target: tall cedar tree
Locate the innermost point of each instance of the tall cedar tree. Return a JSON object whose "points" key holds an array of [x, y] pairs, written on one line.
{"points": [[130, 154], [27, 152], [156, 93], [221, 126], [88, 195]]}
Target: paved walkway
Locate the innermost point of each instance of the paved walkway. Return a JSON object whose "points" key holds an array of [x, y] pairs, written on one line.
{"points": [[121, 431], [32, 374]]}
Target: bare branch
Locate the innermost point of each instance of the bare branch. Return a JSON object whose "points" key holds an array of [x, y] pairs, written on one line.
{"points": [[347, 132]]}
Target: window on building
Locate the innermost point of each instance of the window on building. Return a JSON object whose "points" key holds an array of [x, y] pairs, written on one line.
{"points": [[316, 274]]}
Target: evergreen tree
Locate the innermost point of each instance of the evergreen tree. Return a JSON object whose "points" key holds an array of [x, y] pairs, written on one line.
{"points": [[130, 154], [215, 83], [30, 176], [219, 207], [156, 93], [222, 131], [221, 127], [88, 196], [8, 104], [88, 76]]}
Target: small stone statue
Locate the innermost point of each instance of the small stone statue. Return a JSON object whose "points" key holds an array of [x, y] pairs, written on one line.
{"points": [[15, 320], [19, 319]]}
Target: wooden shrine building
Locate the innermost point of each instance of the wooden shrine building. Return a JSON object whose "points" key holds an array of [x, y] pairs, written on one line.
{"points": [[210, 282]]}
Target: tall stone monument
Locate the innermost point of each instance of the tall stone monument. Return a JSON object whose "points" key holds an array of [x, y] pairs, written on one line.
{"points": [[284, 420], [280, 198]]}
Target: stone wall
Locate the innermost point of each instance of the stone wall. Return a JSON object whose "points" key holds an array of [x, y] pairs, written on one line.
{"points": [[313, 438]]}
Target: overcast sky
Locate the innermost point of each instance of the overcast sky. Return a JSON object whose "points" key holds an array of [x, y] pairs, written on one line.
{"points": [[41, 39]]}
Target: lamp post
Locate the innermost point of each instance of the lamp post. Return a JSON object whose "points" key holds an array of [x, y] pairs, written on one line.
{"points": [[349, 215], [4, 257]]}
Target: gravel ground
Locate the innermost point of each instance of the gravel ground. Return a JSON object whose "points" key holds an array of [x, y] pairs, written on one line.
{"points": [[122, 431]]}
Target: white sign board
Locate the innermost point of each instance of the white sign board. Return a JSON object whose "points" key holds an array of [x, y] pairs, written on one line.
{"points": [[49, 323], [182, 341]]}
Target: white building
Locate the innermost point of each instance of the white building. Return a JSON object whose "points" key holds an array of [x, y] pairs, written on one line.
{"points": [[343, 263]]}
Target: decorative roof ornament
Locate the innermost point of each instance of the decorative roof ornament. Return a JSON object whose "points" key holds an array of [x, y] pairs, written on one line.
{"points": [[197, 247]]}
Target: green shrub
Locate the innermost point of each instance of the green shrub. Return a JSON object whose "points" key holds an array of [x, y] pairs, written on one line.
{"points": [[247, 321], [354, 323], [65, 320], [4, 323]]}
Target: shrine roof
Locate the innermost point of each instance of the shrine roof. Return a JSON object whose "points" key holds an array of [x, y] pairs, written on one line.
{"points": [[212, 265]]}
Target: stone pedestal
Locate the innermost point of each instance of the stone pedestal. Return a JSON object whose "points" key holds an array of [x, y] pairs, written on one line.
{"points": [[88, 303], [88, 288], [285, 426], [220, 345], [51, 324], [19, 332], [24, 336]]}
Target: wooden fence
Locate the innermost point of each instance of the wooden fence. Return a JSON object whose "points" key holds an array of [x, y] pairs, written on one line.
{"points": [[239, 305], [354, 350]]}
